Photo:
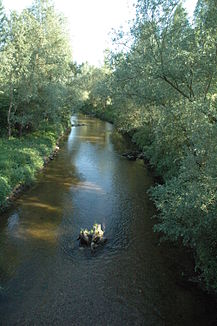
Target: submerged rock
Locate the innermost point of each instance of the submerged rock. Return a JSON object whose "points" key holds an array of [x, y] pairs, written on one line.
{"points": [[92, 238]]}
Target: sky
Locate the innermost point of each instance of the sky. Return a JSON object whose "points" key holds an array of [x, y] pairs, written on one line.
{"points": [[90, 22]]}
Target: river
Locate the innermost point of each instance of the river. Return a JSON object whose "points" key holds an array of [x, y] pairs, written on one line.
{"points": [[47, 279]]}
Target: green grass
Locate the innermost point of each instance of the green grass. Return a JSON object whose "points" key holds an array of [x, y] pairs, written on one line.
{"points": [[21, 158]]}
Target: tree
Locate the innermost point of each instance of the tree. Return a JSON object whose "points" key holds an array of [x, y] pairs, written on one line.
{"points": [[36, 67]]}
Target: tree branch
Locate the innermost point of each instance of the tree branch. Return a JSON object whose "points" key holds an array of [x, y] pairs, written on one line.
{"points": [[175, 87]]}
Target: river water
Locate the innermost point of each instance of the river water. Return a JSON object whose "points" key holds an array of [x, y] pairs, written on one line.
{"points": [[47, 279]]}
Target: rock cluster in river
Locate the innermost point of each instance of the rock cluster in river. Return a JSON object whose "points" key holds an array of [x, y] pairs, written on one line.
{"points": [[134, 155], [92, 238]]}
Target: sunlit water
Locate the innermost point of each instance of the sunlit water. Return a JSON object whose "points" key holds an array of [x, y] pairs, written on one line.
{"points": [[46, 279]]}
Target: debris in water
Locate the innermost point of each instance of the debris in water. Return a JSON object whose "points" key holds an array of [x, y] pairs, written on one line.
{"points": [[92, 238]]}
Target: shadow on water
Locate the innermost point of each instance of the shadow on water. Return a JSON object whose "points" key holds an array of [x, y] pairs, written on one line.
{"points": [[47, 279]]}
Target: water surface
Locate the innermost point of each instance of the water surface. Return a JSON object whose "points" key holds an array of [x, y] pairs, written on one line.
{"points": [[46, 279]]}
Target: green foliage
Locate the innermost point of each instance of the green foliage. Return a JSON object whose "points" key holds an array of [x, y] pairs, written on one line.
{"points": [[187, 205], [35, 69], [5, 190], [143, 137], [21, 159]]}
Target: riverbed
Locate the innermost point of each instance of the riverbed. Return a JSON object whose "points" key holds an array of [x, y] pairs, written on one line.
{"points": [[47, 279]]}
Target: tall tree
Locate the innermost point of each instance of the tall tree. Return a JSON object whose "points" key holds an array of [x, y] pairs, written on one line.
{"points": [[36, 67]]}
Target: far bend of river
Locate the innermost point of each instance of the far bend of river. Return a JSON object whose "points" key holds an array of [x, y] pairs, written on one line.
{"points": [[46, 279]]}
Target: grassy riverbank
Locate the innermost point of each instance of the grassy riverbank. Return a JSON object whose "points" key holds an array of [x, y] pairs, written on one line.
{"points": [[21, 158]]}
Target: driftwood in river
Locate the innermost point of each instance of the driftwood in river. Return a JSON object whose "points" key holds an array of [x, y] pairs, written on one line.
{"points": [[92, 238]]}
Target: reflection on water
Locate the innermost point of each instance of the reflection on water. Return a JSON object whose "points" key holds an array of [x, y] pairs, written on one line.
{"points": [[13, 221], [48, 280]]}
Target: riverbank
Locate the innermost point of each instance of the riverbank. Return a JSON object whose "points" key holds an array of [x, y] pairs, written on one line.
{"points": [[184, 194], [21, 159]]}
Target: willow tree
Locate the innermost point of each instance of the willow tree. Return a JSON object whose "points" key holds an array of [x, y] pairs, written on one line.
{"points": [[36, 67]]}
